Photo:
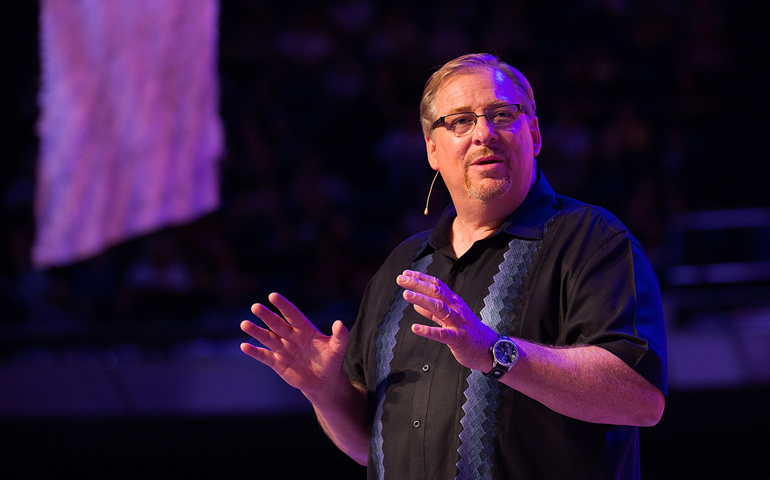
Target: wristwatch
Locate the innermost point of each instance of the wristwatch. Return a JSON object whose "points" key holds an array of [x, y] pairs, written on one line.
{"points": [[504, 355]]}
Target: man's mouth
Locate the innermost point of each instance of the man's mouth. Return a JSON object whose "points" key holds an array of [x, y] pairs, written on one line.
{"points": [[485, 157], [485, 161]]}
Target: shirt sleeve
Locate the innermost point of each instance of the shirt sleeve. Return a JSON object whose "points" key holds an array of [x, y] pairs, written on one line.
{"points": [[614, 302]]}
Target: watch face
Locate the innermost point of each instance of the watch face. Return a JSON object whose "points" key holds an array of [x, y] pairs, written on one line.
{"points": [[505, 352]]}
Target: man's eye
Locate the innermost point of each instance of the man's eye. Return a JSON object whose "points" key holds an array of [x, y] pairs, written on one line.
{"points": [[461, 120]]}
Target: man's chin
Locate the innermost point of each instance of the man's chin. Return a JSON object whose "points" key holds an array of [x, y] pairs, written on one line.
{"points": [[488, 188]]}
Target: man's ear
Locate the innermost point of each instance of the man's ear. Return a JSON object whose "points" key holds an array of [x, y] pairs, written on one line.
{"points": [[534, 130], [430, 147]]}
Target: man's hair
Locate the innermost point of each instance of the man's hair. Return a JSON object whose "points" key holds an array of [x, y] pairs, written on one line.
{"points": [[470, 63]]}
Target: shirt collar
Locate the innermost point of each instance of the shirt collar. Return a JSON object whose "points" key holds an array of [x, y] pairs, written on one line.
{"points": [[527, 221]]}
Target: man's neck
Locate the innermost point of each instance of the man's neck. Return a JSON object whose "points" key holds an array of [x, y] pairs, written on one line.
{"points": [[477, 219], [473, 224]]}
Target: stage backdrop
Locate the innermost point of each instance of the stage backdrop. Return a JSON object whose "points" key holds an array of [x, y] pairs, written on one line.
{"points": [[130, 133]]}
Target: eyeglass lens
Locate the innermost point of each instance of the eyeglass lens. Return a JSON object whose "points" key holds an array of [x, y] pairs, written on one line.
{"points": [[463, 123]]}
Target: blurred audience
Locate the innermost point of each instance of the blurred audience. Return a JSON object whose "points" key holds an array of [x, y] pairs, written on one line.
{"points": [[325, 169]]}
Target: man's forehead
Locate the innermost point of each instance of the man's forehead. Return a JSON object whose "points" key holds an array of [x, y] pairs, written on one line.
{"points": [[486, 85]]}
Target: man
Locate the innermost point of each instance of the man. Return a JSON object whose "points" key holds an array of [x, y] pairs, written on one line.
{"points": [[522, 337]]}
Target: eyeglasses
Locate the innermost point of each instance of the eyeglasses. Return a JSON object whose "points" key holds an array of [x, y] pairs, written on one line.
{"points": [[463, 123]]}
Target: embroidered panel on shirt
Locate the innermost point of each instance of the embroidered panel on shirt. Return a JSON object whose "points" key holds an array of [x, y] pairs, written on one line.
{"points": [[479, 420], [386, 343]]}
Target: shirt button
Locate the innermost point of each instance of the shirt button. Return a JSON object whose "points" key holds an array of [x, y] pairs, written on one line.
{"points": [[425, 368], [416, 424]]}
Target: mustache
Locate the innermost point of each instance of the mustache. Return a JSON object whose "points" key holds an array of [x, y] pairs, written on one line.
{"points": [[486, 152]]}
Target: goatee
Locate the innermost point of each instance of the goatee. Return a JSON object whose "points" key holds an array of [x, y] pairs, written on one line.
{"points": [[489, 185]]}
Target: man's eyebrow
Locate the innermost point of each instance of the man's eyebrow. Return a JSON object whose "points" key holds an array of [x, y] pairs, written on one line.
{"points": [[467, 108], [463, 109], [500, 103]]}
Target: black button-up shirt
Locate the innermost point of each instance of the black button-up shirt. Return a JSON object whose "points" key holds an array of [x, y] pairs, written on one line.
{"points": [[557, 272]]}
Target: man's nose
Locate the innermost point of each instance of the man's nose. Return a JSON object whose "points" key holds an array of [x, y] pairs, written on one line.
{"points": [[485, 132]]}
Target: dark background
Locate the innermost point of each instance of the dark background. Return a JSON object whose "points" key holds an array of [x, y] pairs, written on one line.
{"points": [[650, 109]]}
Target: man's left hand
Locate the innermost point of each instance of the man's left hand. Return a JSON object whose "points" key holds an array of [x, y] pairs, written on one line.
{"points": [[458, 327]]}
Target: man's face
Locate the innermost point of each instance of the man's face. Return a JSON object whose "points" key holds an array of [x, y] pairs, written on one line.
{"points": [[490, 163]]}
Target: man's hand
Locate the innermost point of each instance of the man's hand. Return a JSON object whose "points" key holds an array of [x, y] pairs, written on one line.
{"points": [[312, 362], [295, 349], [458, 327]]}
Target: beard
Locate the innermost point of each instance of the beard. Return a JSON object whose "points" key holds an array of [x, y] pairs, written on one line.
{"points": [[489, 185]]}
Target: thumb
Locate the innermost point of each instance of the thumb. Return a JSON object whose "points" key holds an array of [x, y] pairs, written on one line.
{"points": [[339, 340]]}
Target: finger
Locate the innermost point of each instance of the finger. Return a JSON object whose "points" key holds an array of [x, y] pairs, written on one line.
{"points": [[260, 354], [339, 340], [449, 318], [424, 284], [263, 336], [292, 314], [425, 279], [273, 321], [431, 308], [443, 335]]}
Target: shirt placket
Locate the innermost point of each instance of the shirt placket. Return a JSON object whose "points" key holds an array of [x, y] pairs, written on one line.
{"points": [[419, 412]]}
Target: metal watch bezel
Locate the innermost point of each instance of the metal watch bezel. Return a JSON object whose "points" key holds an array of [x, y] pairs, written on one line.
{"points": [[500, 368]]}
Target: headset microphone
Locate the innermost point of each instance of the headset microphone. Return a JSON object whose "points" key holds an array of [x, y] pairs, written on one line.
{"points": [[429, 192]]}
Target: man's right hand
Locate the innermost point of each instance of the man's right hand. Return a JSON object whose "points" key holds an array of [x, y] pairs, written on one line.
{"points": [[312, 362], [294, 348]]}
